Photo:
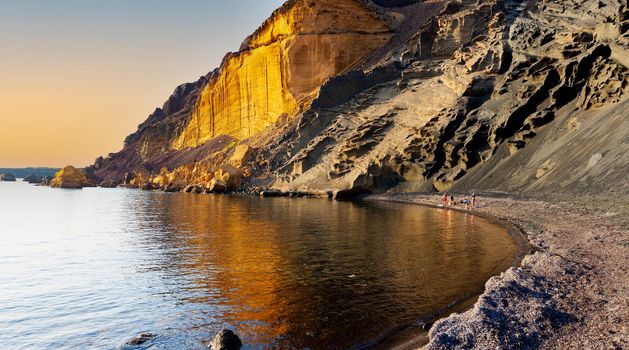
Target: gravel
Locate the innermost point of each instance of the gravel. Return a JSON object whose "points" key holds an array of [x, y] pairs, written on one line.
{"points": [[570, 292]]}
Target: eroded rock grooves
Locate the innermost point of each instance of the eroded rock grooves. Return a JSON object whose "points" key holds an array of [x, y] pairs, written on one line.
{"points": [[365, 96]]}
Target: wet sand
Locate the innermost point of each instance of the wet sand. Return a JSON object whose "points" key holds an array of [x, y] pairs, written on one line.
{"points": [[570, 292]]}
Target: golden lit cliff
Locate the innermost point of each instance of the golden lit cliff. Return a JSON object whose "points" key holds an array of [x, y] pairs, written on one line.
{"points": [[280, 68], [366, 96]]}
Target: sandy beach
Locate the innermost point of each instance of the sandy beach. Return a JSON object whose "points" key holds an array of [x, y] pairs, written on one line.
{"points": [[570, 292]]}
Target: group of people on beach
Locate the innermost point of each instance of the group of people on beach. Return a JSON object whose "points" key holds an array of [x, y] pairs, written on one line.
{"points": [[449, 200]]}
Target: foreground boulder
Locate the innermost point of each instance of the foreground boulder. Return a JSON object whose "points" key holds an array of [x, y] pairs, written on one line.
{"points": [[225, 340], [70, 177], [217, 186], [7, 177]]}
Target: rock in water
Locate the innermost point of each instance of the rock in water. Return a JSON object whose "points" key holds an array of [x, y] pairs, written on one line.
{"points": [[217, 186], [141, 339], [33, 179], [225, 340], [70, 177], [7, 177]]}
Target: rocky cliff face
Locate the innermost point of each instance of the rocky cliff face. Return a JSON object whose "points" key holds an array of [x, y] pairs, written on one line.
{"points": [[361, 96], [280, 68]]}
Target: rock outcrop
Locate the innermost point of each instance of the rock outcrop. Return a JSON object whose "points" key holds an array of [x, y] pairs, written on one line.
{"points": [[71, 178], [351, 97], [7, 177], [33, 179], [225, 340]]}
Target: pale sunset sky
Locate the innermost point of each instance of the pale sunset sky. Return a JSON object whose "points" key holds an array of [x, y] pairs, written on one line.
{"points": [[77, 76]]}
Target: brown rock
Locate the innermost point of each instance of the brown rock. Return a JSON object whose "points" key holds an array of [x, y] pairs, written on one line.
{"points": [[70, 177], [108, 184], [282, 66], [230, 176], [217, 186], [445, 95], [242, 153]]}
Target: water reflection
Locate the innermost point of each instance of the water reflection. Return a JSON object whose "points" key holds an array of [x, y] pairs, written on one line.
{"points": [[312, 273], [284, 273]]}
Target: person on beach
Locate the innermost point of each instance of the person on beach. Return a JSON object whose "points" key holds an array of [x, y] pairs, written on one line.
{"points": [[473, 199], [452, 202], [466, 202], [445, 198]]}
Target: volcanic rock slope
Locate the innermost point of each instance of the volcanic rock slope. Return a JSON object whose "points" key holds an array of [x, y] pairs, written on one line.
{"points": [[353, 96]]}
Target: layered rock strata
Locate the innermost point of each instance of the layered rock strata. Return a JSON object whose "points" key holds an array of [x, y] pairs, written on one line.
{"points": [[351, 97]]}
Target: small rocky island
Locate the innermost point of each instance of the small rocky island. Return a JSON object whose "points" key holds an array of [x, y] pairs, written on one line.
{"points": [[71, 178], [7, 177], [33, 179]]}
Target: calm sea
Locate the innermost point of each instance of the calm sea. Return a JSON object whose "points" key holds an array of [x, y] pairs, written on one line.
{"points": [[92, 268]]}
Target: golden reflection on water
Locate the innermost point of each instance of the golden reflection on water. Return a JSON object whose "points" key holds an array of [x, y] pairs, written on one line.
{"points": [[93, 268], [300, 273]]}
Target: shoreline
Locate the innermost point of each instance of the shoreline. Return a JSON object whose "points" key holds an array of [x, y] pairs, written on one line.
{"points": [[569, 291], [569, 288], [412, 336]]}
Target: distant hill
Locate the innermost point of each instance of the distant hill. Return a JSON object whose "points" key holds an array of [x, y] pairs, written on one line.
{"points": [[24, 172]]}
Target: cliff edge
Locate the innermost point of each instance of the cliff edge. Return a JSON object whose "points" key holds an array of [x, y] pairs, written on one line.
{"points": [[347, 97]]}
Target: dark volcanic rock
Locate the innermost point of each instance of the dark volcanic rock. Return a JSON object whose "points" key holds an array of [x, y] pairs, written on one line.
{"points": [[7, 177], [33, 179], [141, 339], [108, 184], [225, 340], [395, 3]]}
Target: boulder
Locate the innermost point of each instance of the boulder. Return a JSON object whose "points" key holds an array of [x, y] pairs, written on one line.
{"points": [[33, 179], [174, 187], [7, 177], [241, 154], [46, 180], [70, 177], [140, 339], [230, 176], [197, 189], [217, 186], [225, 340], [108, 184]]}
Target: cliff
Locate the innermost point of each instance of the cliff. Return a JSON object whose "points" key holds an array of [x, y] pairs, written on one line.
{"points": [[280, 68], [352, 97]]}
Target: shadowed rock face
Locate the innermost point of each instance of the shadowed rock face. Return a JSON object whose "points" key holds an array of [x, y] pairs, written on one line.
{"points": [[395, 3], [33, 179], [360, 96], [7, 177]]}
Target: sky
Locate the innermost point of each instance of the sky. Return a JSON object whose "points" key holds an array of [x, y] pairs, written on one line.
{"points": [[78, 76]]}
